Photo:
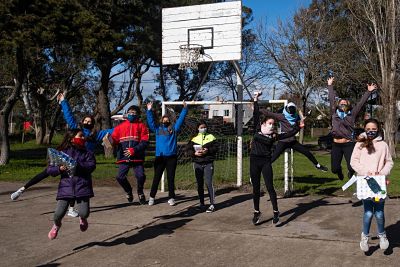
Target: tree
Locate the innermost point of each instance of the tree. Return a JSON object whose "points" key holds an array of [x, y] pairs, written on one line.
{"points": [[376, 31]]}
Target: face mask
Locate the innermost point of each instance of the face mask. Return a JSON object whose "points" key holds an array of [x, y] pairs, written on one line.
{"points": [[267, 128], [88, 126], [166, 124], [202, 130], [344, 107], [79, 141], [131, 117], [372, 134], [291, 110]]}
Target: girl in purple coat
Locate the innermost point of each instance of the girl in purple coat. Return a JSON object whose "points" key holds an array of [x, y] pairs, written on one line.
{"points": [[78, 187]]}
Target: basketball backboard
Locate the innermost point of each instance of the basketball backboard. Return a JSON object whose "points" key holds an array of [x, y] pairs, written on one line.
{"points": [[216, 27]]}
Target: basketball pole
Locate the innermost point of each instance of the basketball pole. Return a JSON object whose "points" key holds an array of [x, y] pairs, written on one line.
{"points": [[239, 126]]}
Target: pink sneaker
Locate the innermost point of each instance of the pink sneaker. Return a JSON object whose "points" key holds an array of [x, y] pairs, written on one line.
{"points": [[53, 232], [83, 224]]}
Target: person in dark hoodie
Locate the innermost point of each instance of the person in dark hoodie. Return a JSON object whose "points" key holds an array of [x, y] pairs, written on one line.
{"points": [[287, 120], [166, 151], [203, 148], [77, 187], [343, 117], [260, 159], [131, 138]]}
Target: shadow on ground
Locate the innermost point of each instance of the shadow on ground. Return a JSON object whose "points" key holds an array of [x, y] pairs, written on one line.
{"points": [[144, 234]]}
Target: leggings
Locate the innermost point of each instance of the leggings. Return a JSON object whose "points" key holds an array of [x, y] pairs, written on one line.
{"points": [[36, 179], [160, 164], [282, 146], [206, 171], [139, 174], [337, 153], [62, 207], [262, 165]]}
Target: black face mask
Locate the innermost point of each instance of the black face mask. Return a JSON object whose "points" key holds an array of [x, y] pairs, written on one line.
{"points": [[166, 124], [372, 134], [291, 110], [88, 126]]}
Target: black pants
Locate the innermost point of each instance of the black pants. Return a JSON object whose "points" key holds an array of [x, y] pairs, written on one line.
{"points": [[160, 164], [36, 179], [337, 152], [282, 146], [262, 165]]}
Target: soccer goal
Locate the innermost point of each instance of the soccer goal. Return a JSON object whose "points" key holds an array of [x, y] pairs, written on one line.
{"points": [[231, 166]]}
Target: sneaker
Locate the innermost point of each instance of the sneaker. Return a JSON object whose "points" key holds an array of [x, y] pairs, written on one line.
{"points": [[83, 224], [275, 219], [364, 242], [72, 212], [17, 194], [210, 209], [151, 201], [171, 202], [340, 176], [53, 232], [129, 197], [321, 167], [257, 217], [142, 199], [201, 207], [383, 241]]}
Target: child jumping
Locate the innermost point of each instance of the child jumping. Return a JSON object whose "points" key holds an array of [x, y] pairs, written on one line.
{"points": [[76, 188]]}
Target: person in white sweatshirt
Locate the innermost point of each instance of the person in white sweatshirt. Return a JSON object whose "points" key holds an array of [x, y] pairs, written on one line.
{"points": [[371, 156]]}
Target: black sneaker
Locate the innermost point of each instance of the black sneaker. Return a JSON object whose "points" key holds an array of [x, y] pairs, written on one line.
{"points": [[340, 176], [201, 207], [142, 199], [321, 167], [275, 219], [129, 197], [256, 217]]}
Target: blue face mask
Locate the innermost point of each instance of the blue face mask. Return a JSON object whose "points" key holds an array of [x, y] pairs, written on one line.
{"points": [[131, 117]]}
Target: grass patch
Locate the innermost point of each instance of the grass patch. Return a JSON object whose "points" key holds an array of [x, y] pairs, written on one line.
{"points": [[29, 159]]}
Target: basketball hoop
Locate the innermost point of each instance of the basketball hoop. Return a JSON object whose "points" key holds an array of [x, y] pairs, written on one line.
{"points": [[191, 54]]}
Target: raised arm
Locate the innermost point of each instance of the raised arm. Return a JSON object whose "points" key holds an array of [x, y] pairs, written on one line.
{"points": [[364, 99], [331, 95], [181, 118], [67, 112], [150, 118]]}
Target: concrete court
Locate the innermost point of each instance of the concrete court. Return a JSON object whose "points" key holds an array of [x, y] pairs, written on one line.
{"points": [[315, 231]]}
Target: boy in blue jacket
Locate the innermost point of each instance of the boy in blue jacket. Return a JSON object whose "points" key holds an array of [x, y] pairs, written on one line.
{"points": [[166, 151]]}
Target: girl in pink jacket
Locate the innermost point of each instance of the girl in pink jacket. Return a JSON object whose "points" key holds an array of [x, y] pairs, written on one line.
{"points": [[371, 156]]}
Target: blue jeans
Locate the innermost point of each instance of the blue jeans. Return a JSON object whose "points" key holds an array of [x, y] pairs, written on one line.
{"points": [[373, 208]]}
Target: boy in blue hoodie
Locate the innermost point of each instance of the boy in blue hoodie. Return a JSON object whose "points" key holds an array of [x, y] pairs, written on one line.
{"points": [[166, 151]]}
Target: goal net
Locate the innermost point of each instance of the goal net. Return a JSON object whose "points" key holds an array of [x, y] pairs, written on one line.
{"points": [[232, 164]]}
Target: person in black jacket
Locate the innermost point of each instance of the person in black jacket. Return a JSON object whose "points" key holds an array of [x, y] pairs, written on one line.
{"points": [[260, 159], [202, 148]]}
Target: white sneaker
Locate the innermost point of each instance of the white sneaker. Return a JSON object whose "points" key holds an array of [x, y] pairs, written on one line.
{"points": [[210, 209], [72, 212], [17, 194], [151, 201], [171, 202], [383, 241], [364, 242]]}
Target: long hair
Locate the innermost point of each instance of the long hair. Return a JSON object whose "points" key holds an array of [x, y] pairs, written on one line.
{"points": [[367, 142], [67, 140]]}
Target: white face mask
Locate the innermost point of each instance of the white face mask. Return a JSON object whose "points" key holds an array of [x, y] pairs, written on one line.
{"points": [[267, 128], [202, 130]]}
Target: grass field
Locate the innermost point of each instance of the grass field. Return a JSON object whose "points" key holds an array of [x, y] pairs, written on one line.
{"points": [[29, 159]]}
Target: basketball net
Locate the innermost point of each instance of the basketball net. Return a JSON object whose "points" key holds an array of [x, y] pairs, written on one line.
{"points": [[191, 54]]}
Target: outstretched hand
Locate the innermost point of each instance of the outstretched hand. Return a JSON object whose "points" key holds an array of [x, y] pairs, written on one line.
{"points": [[184, 104], [331, 80], [149, 105], [372, 87], [257, 95], [60, 97]]}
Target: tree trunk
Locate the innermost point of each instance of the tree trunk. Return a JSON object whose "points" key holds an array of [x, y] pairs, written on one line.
{"points": [[54, 120], [103, 116], [5, 142], [137, 89], [389, 109], [40, 126]]}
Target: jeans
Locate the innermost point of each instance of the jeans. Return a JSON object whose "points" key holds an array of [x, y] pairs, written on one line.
{"points": [[138, 169], [372, 208]]}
